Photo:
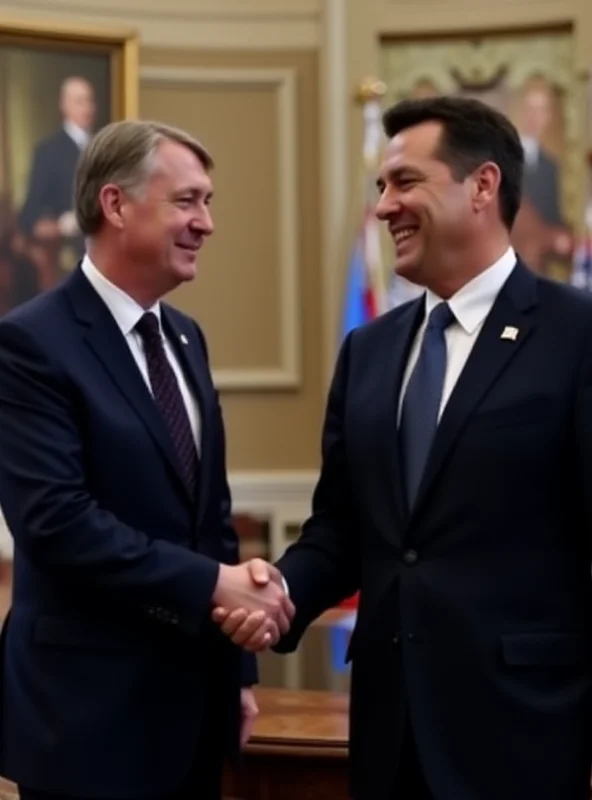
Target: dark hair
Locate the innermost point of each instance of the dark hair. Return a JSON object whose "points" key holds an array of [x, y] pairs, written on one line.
{"points": [[473, 133]]}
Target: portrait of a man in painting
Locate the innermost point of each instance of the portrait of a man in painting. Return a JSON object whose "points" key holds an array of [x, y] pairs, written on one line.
{"points": [[56, 90]]}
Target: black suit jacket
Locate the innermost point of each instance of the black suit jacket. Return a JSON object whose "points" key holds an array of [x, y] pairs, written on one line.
{"points": [[108, 655], [51, 183], [475, 614], [541, 186]]}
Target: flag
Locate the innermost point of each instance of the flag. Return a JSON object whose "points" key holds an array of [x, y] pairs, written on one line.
{"points": [[365, 291], [355, 312], [366, 294]]}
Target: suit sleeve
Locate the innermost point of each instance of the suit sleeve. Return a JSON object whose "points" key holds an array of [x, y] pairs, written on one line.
{"points": [[51, 514], [322, 567], [583, 436], [249, 670], [229, 537]]}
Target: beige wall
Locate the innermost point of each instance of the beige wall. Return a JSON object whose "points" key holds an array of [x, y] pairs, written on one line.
{"points": [[273, 79], [258, 114], [245, 77]]}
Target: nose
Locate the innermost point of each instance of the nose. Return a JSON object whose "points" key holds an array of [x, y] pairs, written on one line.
{"points": [[388, 205], [203, 222]]}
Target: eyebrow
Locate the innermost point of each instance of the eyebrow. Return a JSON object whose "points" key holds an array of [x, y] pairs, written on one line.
{"points": [[194, 192]]}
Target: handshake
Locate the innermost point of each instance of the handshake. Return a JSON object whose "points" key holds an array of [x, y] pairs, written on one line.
{"points": [[251, 605]]}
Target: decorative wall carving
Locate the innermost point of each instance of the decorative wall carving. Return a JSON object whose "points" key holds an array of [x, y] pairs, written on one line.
{"points": [[507, 61]]}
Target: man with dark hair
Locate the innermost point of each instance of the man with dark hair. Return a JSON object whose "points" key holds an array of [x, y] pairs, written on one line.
{"points": [[456, 491]]}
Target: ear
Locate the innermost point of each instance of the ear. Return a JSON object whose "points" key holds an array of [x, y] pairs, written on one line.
{"points": [[113, 203], [486, 183]]}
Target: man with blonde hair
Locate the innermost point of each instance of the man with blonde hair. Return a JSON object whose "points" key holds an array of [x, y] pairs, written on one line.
{"points": [[115, 682]]}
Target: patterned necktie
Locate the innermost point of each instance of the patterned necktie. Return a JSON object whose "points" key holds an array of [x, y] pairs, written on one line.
{"points": [[168, 398], [421, 404]]}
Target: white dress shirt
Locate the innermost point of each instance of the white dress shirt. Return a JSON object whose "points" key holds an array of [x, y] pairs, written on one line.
{"points": [[470, 306], [531, 149], [127, 313], [78, 135]]}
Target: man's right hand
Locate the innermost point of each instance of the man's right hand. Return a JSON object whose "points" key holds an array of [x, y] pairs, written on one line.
{"points": [[252, 593]]}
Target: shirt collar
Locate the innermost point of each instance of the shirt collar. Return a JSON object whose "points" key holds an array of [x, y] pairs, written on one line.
{"points": [[471, 304], [124, 309], [78, 134], [531, 150]]}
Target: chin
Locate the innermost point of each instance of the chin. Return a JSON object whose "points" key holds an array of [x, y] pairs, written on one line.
{"points": [[185, 272], [411, 271]]}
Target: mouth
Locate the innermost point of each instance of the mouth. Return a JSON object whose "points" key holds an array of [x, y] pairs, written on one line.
{"points": [[189, 248], [401, 235]]}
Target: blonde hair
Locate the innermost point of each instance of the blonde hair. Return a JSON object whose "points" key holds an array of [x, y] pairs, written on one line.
{"points": [[123, 153]]}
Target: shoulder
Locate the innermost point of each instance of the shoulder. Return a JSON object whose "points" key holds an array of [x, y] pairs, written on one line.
{"points": [[383, 326], [41, 318], [573, 305], [51, 142]]}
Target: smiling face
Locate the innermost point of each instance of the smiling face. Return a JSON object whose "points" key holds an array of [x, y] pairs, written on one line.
{"points": [[429, 213], [162, 226]]}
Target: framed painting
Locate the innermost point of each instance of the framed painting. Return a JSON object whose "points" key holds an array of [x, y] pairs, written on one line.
{"points": [[531, 76], [58, 86]]}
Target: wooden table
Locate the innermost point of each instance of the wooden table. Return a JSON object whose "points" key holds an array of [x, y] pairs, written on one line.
{"points": [[298, 750]]}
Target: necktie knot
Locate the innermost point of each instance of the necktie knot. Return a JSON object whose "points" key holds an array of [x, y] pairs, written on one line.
{"points": [[148, 327], [441, 317]]}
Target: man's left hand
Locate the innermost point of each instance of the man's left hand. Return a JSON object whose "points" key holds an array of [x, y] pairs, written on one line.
{"points": [[249, 712]]}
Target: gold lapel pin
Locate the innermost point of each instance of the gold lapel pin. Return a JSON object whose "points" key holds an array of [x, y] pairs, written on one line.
{"points": [[510, 333], [184, 339]]}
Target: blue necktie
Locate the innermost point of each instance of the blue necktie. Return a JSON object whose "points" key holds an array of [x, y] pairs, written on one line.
{"points": [[421, 404]]}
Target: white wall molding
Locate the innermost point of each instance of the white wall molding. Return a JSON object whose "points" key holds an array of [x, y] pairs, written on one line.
{"points": [[202, 9], [209, 28], [283, 498], [283, 82], [335, 108]]}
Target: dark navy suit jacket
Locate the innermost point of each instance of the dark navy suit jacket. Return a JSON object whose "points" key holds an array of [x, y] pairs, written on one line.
{"points": [[475, 613], [108, 654], [50, 191]]}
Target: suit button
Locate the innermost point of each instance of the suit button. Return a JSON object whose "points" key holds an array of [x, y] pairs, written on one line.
{"points": [[411, 637], [395, 640], [410, 557]]}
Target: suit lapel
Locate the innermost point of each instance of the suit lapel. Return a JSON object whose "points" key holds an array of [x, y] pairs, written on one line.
{"points": [[489, 357], [108, 344], [189, 351]]}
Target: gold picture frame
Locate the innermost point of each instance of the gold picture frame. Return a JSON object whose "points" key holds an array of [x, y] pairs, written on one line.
{"points": [[37, 61]]}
